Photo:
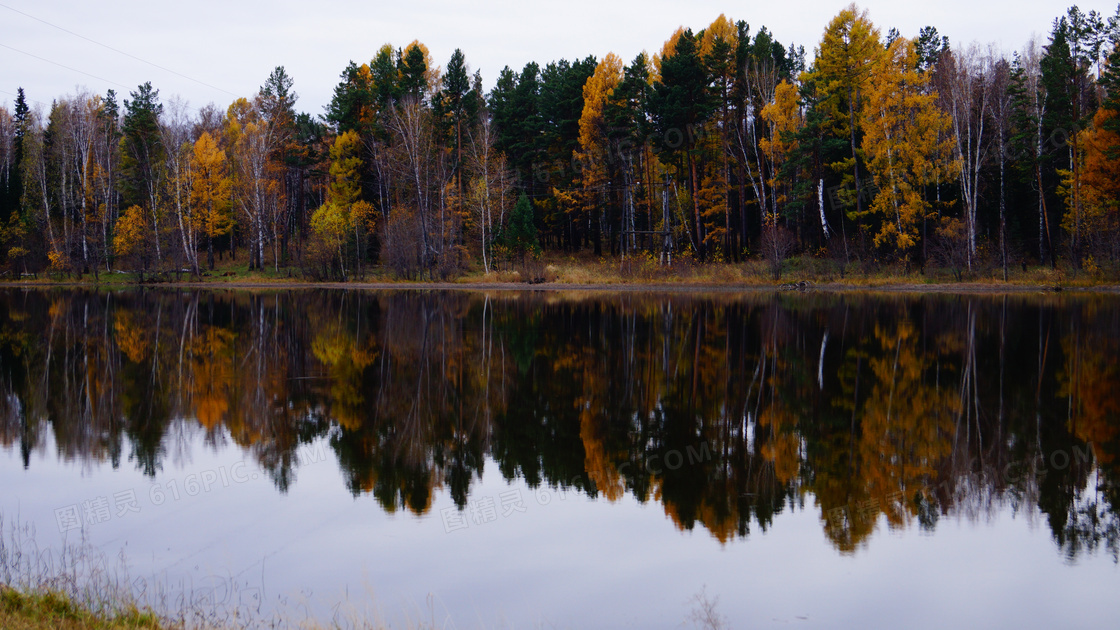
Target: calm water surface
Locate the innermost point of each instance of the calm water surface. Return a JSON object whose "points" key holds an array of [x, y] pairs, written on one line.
{"points": [[568, 460]]}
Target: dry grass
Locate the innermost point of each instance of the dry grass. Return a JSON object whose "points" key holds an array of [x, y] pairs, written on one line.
{"points": [[78, 587], [56, 611], [588, 271]]}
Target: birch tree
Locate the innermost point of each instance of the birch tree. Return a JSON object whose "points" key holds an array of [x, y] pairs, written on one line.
{"points": [[251, 141], [1000, 108], [175, 132], [490, 188], [966, 97]]}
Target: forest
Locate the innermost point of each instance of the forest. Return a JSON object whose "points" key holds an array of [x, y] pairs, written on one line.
{"points": [[723, 146]]}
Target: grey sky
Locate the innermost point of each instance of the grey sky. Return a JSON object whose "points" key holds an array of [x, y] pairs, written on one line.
{"points": [[233, 46]]}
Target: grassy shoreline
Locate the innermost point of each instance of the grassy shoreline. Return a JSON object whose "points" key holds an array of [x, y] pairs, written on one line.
{"points": [[635, 274], [961, 288]]}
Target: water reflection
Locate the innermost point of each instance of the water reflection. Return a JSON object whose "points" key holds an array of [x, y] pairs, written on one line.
{"points": [[878, 412]]}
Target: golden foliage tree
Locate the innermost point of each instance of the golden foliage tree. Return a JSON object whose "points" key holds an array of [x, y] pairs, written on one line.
{"points": [[130, 241], [251, 139], [210, 193], [848, 54], [786, 119], [1091, 219], [905, 145], [344, 213], [594, 149]]}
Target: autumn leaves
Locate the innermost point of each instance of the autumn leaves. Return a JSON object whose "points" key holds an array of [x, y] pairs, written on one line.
{"points": [[724, 145]]}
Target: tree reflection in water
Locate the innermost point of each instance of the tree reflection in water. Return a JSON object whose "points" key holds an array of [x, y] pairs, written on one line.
{"points": [[878, 411]]}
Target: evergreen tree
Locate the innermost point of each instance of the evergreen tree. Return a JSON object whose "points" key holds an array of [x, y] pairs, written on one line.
{"points": [[278, 99], [500, 104], [13, 185], [351, 107], [1025, 144], [929, 46], [413, 68], [1064, 79], [519, 132], [625, 111], [520, 232], [625, 117], [561, 105], [109, 120], [1110, 82], [385, 78], [680, 103], [456, 110], [142, 155], [1058, 80], [277, 104], [143, 148]]}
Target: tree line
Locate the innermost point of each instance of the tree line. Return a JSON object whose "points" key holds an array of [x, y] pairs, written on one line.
{"points": [[724, 145]]}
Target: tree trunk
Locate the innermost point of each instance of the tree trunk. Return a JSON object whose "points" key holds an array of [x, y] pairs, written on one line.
{"points": [[695, 208]]}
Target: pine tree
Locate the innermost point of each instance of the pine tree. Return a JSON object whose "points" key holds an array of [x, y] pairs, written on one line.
{"points": [[277, 98], [626, 124], [142, 155], [520, 232], [930, 45], [500, 103], [680, 103], [522, 131], [413, 66], [1028, 100], [1064, 79], [457, 111], [1110, 82], [14, 186]]}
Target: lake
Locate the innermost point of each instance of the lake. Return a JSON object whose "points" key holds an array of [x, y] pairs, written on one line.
{"points": [[520, 459]]}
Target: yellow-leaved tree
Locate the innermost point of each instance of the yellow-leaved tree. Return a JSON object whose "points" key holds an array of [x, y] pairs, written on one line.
{"points": [[344, 212], [719, 50], [1092, 219], [251, 139], [841, 72], [904, 144], [668, 49], [130, 242], [785, 118], [594, 148], [210, 192]]}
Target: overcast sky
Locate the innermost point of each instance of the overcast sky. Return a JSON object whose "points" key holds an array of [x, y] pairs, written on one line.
{"points": [[213, 51]]}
